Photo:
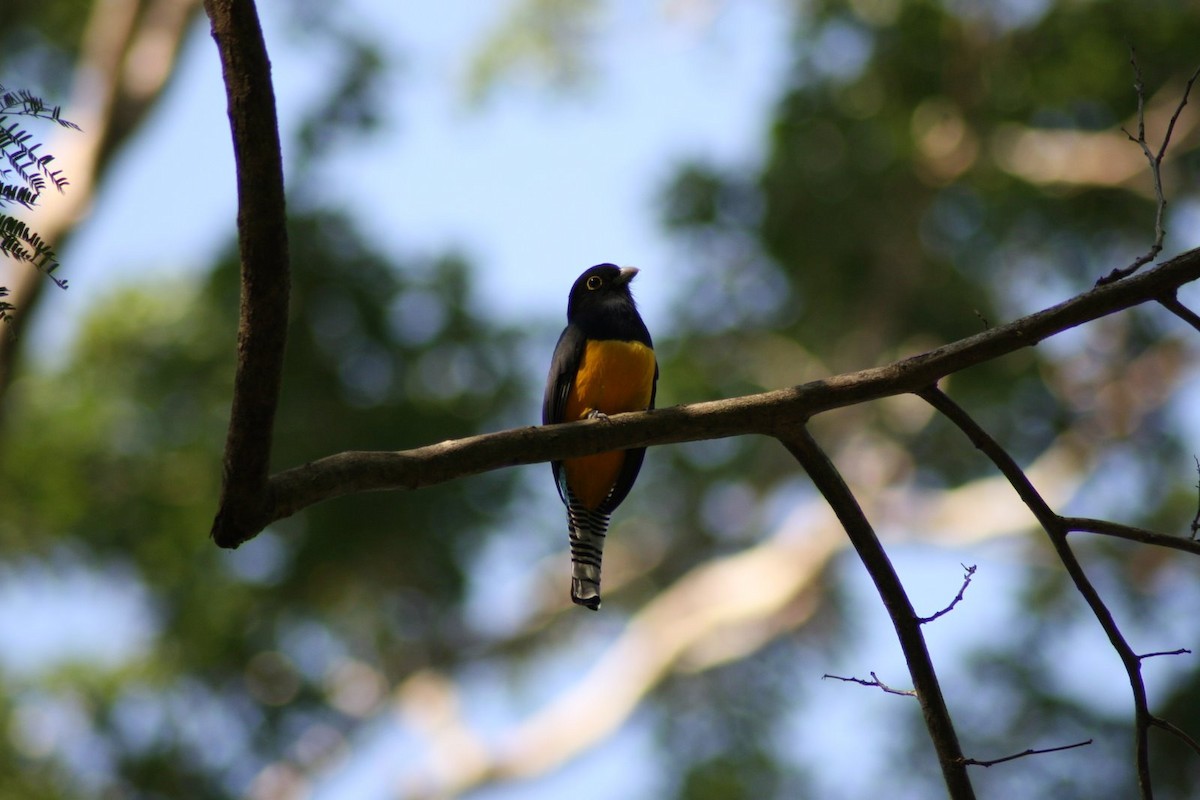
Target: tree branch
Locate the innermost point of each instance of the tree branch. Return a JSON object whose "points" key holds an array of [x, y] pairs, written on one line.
{"points": [[975, 762], [874, 681], [1130, 533], [695, 623], [1172, 304], [1056, 529], [968, 573], [904, 619], [363, 471], [262, 238], [1177, 732], [1180, 651], [1155, 159]]}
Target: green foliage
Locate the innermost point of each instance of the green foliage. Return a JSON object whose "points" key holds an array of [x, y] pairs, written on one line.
{"points": [[883, 197], [546, 40], [889, 218], [885, 219], [116, 462], [43, 38]]}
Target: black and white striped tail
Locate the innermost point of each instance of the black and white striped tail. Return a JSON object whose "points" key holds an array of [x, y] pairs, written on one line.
{"points": [[588, 529]]}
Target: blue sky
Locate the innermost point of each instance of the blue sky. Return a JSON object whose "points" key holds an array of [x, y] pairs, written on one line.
{"points": [[533, 186]]}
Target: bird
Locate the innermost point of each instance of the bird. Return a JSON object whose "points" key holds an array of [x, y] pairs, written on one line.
{"points": [[603, 364]]}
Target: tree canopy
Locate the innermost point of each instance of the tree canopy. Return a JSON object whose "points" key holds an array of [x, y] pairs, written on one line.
{"points": [[932, 170]]}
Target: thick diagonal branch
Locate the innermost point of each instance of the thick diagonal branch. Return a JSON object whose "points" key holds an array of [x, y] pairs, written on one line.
{"points": [[262, 238], [904, 619]]}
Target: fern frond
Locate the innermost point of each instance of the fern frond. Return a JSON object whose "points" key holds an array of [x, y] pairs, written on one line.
{"points": [[11, 193], [19, 242], [6, 308], [23, 158], [24, 175], [26, 104]]}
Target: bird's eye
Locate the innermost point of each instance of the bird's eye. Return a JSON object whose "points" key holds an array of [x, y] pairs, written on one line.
{"points": [[594, 282]]}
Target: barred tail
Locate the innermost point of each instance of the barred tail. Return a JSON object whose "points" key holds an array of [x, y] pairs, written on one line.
{"points": [[588, 529]]}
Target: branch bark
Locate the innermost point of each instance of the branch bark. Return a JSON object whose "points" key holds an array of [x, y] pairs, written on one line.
{"points": [[262, 238], [244, 516], [904, 618]]}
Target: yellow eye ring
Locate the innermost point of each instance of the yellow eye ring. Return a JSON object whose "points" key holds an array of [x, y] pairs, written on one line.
{"points": [[594, 282]]}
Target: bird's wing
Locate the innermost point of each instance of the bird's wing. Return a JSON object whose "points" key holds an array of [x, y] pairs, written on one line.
{"points": [[563, 366]]}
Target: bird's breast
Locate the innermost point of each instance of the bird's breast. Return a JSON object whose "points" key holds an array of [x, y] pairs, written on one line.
{"points": [[613, 377]]}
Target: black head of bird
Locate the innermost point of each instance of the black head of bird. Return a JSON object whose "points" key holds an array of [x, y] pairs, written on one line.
{"points": [[602, 304]]}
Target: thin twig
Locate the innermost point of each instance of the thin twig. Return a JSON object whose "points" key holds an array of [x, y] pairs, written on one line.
{"points": [[926, 687], [969, 572], [873, 682], [1155, 160], [1182, 651], [974, 762], [1056, 529]]}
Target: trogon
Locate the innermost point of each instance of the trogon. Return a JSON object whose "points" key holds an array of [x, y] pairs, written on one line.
{"points": [[603, 364]]}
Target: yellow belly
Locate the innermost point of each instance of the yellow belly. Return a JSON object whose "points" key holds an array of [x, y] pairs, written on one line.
{"points": [[613, 377]]}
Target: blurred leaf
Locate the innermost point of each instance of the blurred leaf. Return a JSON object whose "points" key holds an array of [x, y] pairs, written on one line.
{"points": [[546, 40]]}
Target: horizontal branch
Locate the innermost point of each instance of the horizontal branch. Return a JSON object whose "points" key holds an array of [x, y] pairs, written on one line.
{"points": [[767, 413], [874, 681], [976, 762]]}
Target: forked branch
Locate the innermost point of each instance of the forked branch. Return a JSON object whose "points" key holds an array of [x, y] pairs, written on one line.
{"points": [[1057, 528], [245, 513], [251, 500], [1155, 159]]}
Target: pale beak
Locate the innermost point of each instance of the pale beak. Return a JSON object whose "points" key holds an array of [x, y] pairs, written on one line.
{"points": [[627, 274]]}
